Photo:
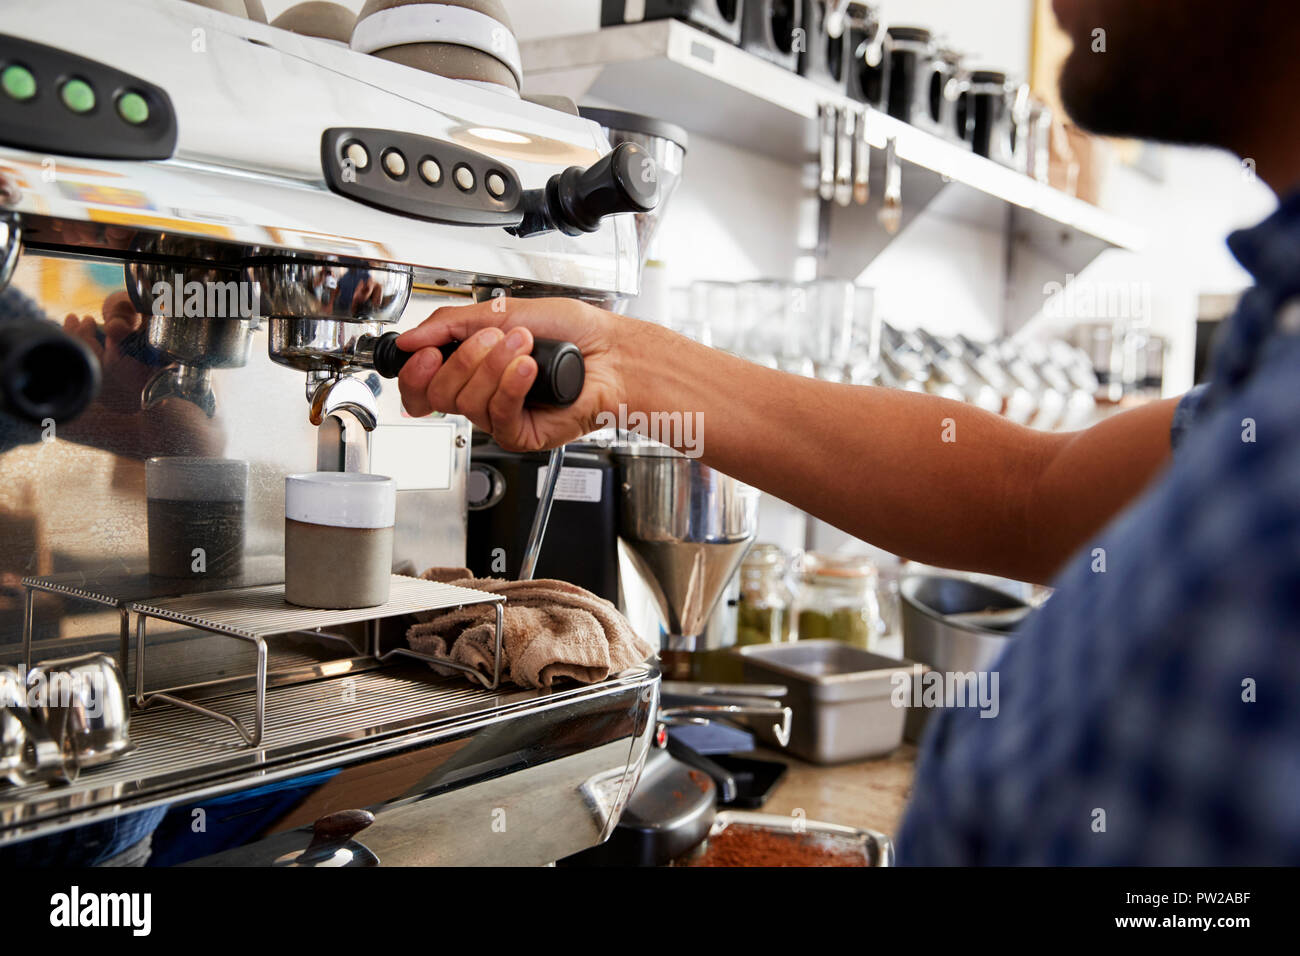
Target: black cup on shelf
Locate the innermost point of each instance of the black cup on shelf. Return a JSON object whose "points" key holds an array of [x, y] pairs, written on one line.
{"points": [[823, 58], [909, 52], [722, 18], [774, 30], [988, 118], [866, 81]]}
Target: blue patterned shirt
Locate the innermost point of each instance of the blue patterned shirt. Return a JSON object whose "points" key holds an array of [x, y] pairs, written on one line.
{"points": [[1150, 713]]}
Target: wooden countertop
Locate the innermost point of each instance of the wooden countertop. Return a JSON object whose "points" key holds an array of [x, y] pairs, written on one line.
{"points": [[869, 794]]}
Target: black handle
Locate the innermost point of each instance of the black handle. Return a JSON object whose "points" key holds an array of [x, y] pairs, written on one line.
{"points": [[44, 372], [561, 371], [625, 180], [722, 778]]}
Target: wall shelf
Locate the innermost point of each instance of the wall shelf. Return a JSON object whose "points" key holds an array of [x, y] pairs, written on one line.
{"points": [[670, 70]]}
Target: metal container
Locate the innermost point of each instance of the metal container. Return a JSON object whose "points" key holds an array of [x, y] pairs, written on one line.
{"points": [[84, 707], [840, 696], [954, 626], [13, 735], [876, 848], [686, 528]]}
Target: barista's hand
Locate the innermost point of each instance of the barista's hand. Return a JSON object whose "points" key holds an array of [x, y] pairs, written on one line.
{"points": [[487, 378]]}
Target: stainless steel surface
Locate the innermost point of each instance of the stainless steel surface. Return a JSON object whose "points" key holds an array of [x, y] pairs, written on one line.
{"points": [[289, 288], [83, 704], [317, 344], [686, 528], [701, 689], [840, 696], [536, 534], [11, 241], [244, 199], [441, 765], [28, 753], [247, 169], [13, 734], [876, 848], [707, 713], [938, 631]]}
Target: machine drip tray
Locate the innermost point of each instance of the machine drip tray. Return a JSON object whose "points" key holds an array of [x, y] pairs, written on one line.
{"points": [[350, 716], [255, 614]]}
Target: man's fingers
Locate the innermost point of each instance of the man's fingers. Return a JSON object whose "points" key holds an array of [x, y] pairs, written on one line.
{"points": [[457, 370], [413, 381], [454, 323], [473, 399], [506, 409]]}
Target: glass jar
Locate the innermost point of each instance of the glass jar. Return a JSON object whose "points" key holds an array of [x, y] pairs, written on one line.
{"points": [[836, 598], [763, 613]]}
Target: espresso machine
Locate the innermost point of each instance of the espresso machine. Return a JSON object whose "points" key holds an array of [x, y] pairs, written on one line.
{"points": [[238, 220]]}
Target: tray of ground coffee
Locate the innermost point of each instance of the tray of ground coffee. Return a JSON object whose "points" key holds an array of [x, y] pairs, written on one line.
{"points": [[739, 838]]}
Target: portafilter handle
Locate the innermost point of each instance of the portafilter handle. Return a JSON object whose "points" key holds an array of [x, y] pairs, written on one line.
{"points": [[561, 371]]}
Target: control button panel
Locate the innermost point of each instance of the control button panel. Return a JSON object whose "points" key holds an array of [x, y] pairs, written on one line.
{"points": [[417, 176], [57, 102]]}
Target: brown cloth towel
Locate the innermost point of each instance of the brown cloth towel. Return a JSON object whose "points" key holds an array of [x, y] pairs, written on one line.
{"points": [[552, 629]]}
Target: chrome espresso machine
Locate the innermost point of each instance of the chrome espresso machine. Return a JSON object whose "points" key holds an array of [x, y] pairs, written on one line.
{"points": [[234, 219]]}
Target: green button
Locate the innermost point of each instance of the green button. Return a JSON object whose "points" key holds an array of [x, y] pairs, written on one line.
{"points": [[133, 108], [78, 96], [18, 82]]}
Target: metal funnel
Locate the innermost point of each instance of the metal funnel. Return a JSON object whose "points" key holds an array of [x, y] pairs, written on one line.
{"points": [[686, 528]]}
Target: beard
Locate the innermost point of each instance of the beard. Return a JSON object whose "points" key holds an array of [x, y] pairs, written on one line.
{"points": [[1175, 71]]}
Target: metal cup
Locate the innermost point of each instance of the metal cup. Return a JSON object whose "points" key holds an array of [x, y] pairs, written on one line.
{"points": [[27, 753], [82, 703]]}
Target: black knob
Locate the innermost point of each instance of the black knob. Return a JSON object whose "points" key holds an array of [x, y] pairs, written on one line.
{"points": [[44, 372], [561, 371], [625, 180]]}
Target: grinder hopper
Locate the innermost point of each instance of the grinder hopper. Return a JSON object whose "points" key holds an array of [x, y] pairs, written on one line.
{"points": [[686, 528], [664, 142]]}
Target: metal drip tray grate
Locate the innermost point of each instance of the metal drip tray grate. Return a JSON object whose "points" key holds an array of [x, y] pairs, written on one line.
{"points": [[256, 613], [259, 612]]}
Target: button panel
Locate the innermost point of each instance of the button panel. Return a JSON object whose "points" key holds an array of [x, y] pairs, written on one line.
{"points": [[454, 184], [52, 101]]}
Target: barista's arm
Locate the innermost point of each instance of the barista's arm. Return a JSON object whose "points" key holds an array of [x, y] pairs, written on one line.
{"points": [[923, 477]]}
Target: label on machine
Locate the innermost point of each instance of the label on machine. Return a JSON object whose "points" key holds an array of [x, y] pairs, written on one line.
{"points": [[575, 484]]}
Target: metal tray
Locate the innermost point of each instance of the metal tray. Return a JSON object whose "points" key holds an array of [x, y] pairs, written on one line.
{"points": [[877, 849], [841, 697]]}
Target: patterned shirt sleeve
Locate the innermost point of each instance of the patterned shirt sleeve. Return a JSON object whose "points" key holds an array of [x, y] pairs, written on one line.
{"points": [[1148, 714], [1185, 414]]}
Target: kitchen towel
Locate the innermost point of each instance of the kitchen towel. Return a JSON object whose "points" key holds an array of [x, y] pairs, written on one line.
{"points": [[552, 630]]}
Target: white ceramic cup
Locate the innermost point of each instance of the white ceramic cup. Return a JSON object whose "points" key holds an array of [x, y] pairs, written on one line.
{"points": [[338, 539]]}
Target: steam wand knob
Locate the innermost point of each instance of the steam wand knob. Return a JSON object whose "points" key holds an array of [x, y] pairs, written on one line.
{"points": [[625, 180]]}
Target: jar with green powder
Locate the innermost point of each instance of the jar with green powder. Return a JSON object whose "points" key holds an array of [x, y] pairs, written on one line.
{"points": [[836, 598]]}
